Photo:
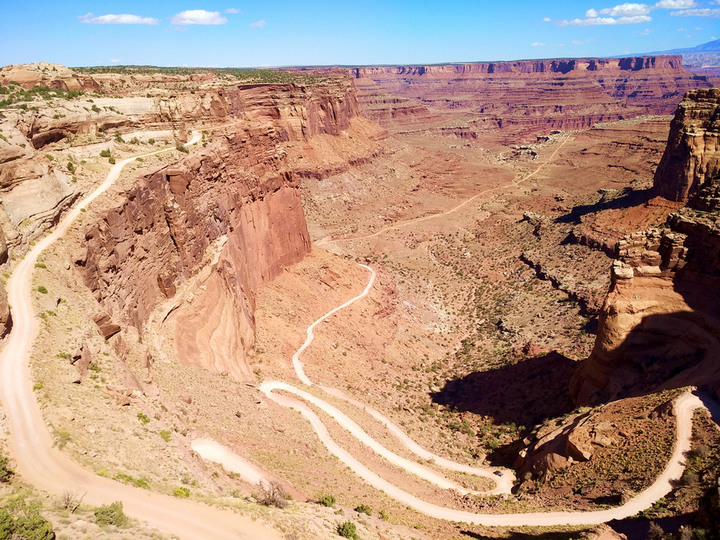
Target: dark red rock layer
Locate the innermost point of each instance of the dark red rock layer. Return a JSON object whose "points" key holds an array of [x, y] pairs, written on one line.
{"points": [[522, 97]]}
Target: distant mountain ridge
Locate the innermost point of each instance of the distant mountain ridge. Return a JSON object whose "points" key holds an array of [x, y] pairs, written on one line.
{"points": [[703, 58]]}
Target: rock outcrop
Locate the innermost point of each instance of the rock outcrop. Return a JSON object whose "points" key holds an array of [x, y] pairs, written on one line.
{"points": [[240, 196], [659, 326], [692, 158], [46, 74], [522, 98]]}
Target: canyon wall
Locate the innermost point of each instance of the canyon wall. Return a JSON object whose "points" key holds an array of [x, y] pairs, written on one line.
{"points": [[659, 327], [237, 202], [692, 156], [521, 98]]}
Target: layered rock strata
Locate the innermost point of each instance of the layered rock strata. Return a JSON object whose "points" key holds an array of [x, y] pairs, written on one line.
{"points": [[239, 196], [659, 327], [692, 156], [522, 97]]}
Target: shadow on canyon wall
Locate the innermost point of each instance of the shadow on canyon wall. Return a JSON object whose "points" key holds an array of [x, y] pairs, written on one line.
{"points": [[629, 198]]}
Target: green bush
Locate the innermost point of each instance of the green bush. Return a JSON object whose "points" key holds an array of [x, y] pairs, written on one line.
{"points": [[24, 522], [180, 148], [42, 289], [70, 167], [111, 160], [348, 530], [327, 500], [182, 492], [105, 153], [5, 471], [111, 514], [165, 434], [30, 525], [143, 418], [363, 509]]}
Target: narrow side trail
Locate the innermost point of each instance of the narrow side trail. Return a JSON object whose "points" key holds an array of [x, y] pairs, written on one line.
{"points": [[415, 221], [684, 407], [37, 459]]}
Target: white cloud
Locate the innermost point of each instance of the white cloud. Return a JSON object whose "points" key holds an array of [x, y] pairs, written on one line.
{"points": [[198, 16], [538, 44], [232, 10], [124, 18], [604, 21], [581, 41], [623, 10], [258, 24], [675, 4], [591, 13], [115, 60], [702, 12], [547, 19], [645, 32], [682, 29]]}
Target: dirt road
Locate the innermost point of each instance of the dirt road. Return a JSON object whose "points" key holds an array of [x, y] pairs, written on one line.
{"points": [[48, 469], [685, 406]]}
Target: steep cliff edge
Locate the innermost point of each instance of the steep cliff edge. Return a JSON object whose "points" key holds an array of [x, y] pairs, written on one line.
{"points": [[240, 197], [692, 157], [522, 98], [659, 327]]}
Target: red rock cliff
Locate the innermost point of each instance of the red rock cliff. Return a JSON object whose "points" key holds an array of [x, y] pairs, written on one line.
{"points": [[659, 327], [521, 98], [239, 197], [692, 156]]}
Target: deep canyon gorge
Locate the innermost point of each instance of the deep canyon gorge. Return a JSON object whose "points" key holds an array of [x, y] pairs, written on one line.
{"points": [[543, 237]]}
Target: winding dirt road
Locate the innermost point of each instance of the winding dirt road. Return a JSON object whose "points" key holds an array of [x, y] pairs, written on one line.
{"points": [[415, 221], [47, 468], [684, 407]]}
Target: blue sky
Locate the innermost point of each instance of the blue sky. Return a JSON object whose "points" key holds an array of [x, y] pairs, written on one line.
{"points": [[322, 32]]}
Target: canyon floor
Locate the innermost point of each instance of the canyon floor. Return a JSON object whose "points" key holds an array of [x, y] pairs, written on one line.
{"points": [[492, 260]]}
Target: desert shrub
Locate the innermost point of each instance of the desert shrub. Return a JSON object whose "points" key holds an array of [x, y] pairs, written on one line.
{"points": [[327, 500], [111, 160], [30, 525], [182, 492], [111, 514], [105, 153], [151, 141], [363, 509], [272, 494], [42, 289], [5, 471], [6, 524], [347, 529], [180, 148], [70, 167], [143, 417], [165, 435]]}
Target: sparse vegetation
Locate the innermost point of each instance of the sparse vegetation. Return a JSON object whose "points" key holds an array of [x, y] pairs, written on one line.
{"points": [[105, 153], [21, 520], [182, 492], [42, 290], [327, 500], [6, 472], [272, 494], [144, 418], [363, 509], [111, 514], [180, 148], [347, 529]]}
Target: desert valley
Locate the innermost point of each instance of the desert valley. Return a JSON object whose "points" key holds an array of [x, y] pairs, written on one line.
{"points": [[473, 300]]}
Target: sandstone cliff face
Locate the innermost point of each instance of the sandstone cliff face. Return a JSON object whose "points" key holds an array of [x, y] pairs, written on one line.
{"points": [[692, 157], [240, 196], [522, 98], [659, 327], [46, 74]]}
